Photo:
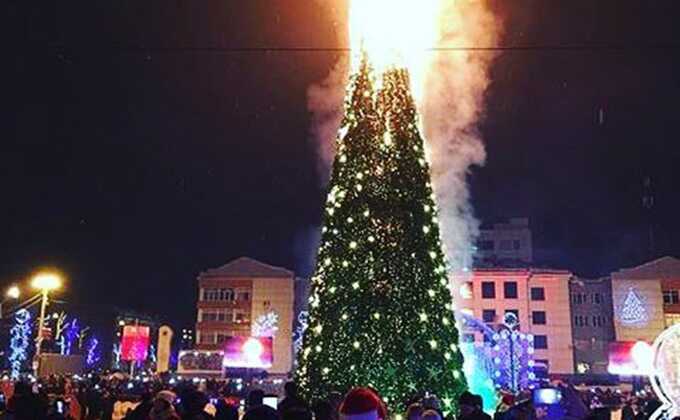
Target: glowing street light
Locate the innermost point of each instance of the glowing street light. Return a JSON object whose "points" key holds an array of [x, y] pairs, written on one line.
{"points": [[45, 282], [11, 293]]}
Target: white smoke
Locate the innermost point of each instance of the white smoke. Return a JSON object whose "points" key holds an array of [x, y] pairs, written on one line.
{"points": [[325, 100], [451, 109]]}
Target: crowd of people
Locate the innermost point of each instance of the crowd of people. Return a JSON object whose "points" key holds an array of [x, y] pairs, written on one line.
{"points": [[120, 398]]}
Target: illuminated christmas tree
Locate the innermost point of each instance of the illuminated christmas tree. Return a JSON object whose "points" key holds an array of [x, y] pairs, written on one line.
{"points": [[633, 309], [380, 310]]}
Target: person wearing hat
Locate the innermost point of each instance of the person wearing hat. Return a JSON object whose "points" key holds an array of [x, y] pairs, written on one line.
{"points": [[162, 408], [363, 404]]}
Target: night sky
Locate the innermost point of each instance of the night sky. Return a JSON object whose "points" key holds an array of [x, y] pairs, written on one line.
{"points": [[132, 165]]}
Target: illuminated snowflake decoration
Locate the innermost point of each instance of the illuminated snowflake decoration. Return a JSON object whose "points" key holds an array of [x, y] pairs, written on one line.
{"points": [[633, 311], [19, 341], [665, 377], [266, 325]]}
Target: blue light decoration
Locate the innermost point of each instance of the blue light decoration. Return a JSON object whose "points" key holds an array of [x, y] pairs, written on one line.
{"points": [[512, 353], [71, 334], [19, 341], [478, 365], [93, 354], [116, 355], [302, 324], [152, 354]]}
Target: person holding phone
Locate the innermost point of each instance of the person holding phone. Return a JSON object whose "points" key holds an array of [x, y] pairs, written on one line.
{"points": [[257, 410]]}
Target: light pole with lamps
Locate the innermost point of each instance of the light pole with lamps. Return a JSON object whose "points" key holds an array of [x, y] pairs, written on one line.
{"points": [[45, 282]]}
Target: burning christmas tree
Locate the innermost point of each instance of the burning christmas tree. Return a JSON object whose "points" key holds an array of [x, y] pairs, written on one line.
{"points": [[381, 313]]}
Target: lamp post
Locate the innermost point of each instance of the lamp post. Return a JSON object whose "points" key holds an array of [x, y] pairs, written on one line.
{"points": [[45, 282], [12, 293]]}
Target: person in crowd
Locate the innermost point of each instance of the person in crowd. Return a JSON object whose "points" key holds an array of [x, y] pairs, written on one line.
{"points": [[363, 404], [430, 415], [292, 399], [25, 405], [141, 412], [226, 411], [414, 411], [257, 410], [162, 407], [323, 410], [479, 408], [296, 413], [193, 405], [470, 407]]}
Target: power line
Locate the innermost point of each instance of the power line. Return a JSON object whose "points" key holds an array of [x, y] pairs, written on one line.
{"points": [[137, 49]]}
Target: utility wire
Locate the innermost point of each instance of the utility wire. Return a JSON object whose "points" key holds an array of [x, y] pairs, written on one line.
{"points": [[134, 49]]}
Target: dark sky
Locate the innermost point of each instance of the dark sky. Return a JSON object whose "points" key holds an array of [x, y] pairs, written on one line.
{"points": [[132, 170]]}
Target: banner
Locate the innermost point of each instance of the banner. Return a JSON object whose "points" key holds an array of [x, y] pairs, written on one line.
{"points": [[135, 343]]}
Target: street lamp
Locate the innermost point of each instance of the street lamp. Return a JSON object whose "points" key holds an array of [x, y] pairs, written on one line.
{"points": [[45, 282], [12, 293]]}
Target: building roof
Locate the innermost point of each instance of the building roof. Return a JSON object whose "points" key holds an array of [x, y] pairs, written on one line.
{"points": [[521, 271], [661, 267], [247, 267]]}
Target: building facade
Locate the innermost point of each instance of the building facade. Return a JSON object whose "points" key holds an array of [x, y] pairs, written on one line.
{"points": [[592, 321], [538, 297], [505, 244], [232, 297]]}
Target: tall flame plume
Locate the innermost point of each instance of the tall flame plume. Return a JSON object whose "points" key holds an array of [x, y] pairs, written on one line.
{"points": [[394, 34], [448, 85]]}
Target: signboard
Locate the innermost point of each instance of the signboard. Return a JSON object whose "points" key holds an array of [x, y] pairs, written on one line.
{"points": [[249, 352], [200, 361], [630, 358], [135, 343]]}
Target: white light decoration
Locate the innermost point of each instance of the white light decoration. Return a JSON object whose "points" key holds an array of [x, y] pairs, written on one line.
{"points": [[633, 310], [665, 377], [267, 324], [19, 341]]}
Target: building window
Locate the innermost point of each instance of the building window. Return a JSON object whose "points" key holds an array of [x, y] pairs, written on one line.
{"points": [[538, 317], [243, 295], [597, 298], [207, 338], [513, 311], [226, 294], [489, 315], [541, 342], [510, 289], [671, 297], [505, 245], [537, 293], [488, 290], [468, 338], [485, 245], [465, 290], [221, 338], [516, 244], [240, 317]]}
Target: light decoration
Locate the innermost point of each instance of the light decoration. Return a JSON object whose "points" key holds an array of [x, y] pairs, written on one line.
{"points": [[512, 353], [266, 325], [633, 310], [69, 337], [302, 324], [20, 340], [92, 352], [665, 376]]}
